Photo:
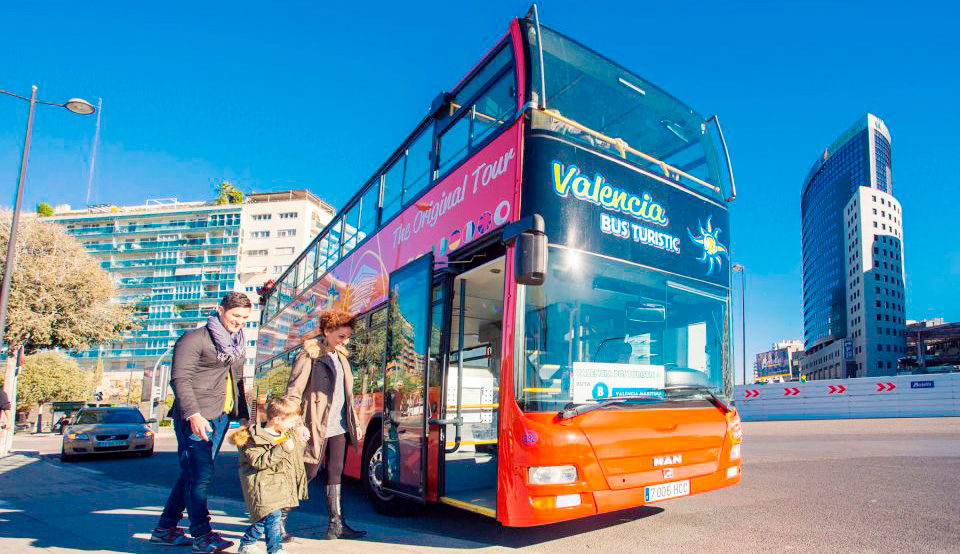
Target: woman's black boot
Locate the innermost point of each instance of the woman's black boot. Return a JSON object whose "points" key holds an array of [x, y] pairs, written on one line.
{"points": [[338, 528]]}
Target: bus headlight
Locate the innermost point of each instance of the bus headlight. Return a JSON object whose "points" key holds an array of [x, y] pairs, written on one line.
{"points": [[552, 475]]}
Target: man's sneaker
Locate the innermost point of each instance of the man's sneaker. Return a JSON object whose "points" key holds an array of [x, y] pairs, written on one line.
{"points": [[252, 548], [170, 537], [209, 543]]}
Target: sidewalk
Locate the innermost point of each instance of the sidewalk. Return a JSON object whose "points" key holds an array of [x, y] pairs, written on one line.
{"points": [[46, 507]]}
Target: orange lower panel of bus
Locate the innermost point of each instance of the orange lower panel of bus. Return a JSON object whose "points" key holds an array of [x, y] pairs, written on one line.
{"points": [[624, 459]]}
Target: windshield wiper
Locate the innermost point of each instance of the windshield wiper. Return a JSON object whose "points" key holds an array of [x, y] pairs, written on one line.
{"points": [[571, 413], [711, 396]]}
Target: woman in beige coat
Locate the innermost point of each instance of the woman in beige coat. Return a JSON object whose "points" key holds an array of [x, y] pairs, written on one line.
{"points": [[323, 382]]}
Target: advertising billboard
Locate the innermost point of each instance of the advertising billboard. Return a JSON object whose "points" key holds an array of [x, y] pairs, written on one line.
{"points": [[774, 363]]}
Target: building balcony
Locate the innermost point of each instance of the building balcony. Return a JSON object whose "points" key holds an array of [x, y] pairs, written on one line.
{"points": [[154, 263], [148, 282], [148, 228]]}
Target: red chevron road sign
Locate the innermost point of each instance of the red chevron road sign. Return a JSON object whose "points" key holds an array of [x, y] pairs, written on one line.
{"points": [[791, 391], [885, 387], [751, 393], [837, 389]]}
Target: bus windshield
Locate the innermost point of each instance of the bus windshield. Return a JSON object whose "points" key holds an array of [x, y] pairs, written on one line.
{"points": [[583, 86], [601, 328]]}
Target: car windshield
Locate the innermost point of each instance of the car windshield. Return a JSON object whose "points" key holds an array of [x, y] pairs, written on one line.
{"points": [[99, 417], [600, 328], [597, 93]]}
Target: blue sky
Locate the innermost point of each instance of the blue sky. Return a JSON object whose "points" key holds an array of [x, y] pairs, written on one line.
{"points": [[315, 95]]}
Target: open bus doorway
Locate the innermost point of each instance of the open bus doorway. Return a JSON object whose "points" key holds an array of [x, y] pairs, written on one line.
{"points": [[473, 389]]}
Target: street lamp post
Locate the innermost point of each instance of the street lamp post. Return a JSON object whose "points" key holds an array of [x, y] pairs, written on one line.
{"points": [[743, 313], [77, 106]]}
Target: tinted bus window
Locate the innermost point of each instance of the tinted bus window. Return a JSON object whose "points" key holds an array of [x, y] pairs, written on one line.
{"points": [[350, 224], [503, 58], [392, 190], [493, 108], [417, 175], [369, 204], [454, 144]]}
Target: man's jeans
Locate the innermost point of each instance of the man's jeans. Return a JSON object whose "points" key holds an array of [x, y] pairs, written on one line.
{"points": [[269, 525], [196, 471]]}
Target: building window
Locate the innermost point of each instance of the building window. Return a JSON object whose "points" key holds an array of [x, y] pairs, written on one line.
{"points": [[279, 268], [287, 233], [284, 250], [259, 234], [289, 215], [256, 252], [261, 217], [249, 289]]}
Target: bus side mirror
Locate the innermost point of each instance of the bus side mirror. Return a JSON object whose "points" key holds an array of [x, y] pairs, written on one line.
{"points": [[530, 249], [531, 259]]}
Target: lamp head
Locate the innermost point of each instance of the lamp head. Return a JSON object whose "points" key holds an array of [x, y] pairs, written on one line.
{"points": [[80, 106], [737, 267]]}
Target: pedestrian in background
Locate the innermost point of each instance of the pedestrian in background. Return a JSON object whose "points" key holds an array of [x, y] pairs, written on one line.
{"points": [[6, 420], [271, 473], [322, 381], [207, 381]]}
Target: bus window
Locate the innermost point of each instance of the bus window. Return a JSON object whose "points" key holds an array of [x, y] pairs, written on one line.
{"points": [[369, 204], [597, 315], [392, 190], [309, 265], [494, 107], [350, 226], [303, 275], [419, 162], [466, 93], [333, 241], [454, 143]]}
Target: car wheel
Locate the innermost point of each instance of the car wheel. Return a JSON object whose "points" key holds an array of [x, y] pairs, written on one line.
{"points": [[67, 458], [146, 453], [383, 501]]}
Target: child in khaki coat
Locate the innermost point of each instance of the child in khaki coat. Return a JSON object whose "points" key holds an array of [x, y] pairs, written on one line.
{"points": [[271, 473]]}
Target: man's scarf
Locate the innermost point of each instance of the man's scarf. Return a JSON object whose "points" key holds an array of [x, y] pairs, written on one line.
{"points": [[230, 347]]}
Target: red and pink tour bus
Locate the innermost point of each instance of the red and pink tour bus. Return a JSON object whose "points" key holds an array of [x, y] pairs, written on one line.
{"points": [[542, 291]]}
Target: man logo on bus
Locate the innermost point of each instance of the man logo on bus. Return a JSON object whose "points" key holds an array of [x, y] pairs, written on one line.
{"points": [[671, 460], [713, 251]]}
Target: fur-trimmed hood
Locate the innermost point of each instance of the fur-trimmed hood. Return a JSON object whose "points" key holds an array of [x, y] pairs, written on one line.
{"points": [[316, 348], [253, 432]]}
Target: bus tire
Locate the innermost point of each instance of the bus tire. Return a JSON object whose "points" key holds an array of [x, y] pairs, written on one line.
{"points": [[372, 478]]}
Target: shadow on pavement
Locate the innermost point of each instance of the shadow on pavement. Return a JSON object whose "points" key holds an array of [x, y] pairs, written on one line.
{"points": [[126, 499]]}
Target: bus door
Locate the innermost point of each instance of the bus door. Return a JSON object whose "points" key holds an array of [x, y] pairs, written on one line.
{"points": [[473, 389], [404, 398]]}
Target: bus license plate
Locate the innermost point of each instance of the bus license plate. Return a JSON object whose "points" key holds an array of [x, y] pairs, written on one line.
{"points": [[666, 490], [112, 443]]}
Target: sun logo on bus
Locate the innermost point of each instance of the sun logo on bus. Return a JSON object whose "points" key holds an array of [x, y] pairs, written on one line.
{"points": [[713, 251]]}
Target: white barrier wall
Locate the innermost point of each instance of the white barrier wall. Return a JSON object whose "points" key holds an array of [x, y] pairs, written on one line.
{"points": [[902, 396]]}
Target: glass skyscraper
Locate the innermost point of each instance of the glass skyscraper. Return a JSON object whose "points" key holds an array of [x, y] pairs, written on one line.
{"points": [[851, 234]]}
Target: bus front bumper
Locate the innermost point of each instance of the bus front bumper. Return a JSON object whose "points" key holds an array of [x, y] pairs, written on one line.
{"points": [[546, 510]]}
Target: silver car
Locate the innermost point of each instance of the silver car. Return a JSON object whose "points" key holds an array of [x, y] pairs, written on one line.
{"points": [[106, 430]]}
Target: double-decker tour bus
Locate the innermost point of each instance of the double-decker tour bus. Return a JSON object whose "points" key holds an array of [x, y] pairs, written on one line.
{"points": [[542, 295]]}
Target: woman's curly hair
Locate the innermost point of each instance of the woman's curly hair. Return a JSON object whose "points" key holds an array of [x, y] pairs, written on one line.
{"points": [[334, 319]]}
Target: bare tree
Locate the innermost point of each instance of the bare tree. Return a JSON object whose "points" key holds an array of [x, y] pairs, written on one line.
{"points": [[60, 297]]}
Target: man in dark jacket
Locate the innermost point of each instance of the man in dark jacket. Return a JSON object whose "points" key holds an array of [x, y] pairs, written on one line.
{"points": [[207, 381]]}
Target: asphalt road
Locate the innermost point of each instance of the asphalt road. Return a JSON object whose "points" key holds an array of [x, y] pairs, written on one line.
{"points": [[853, 486]]}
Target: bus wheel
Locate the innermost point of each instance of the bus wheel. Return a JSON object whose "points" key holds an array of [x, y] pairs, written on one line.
{"points": [[383, 502]]}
